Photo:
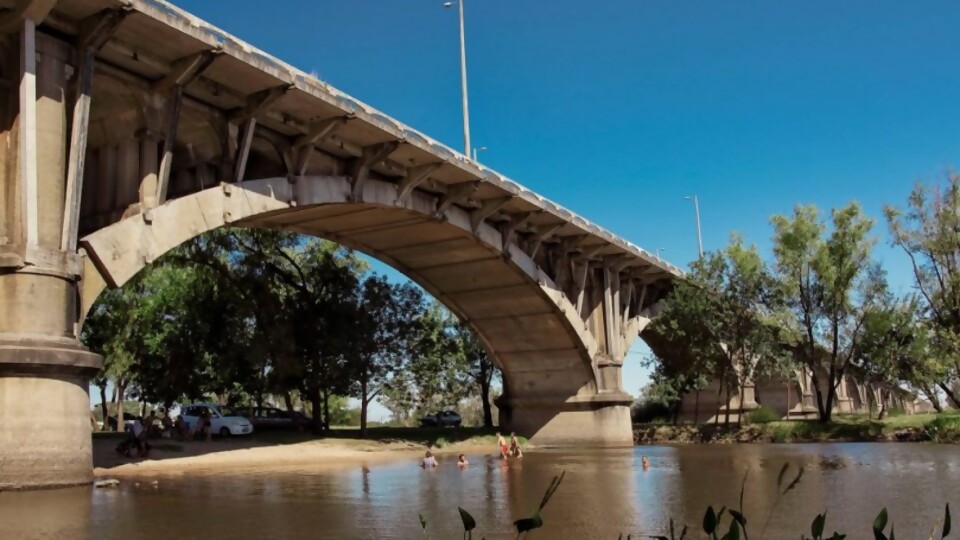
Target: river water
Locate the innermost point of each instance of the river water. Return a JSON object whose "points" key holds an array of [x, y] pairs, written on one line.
{"points": [[604, 493]]}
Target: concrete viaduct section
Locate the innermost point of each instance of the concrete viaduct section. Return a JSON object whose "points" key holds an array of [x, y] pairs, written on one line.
{"points": [[129, 127]]}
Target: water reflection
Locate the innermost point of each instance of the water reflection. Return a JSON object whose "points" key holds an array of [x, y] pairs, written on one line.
{"points": [[604, 493]]}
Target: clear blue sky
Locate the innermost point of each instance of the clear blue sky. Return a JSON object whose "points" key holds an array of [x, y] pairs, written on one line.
{"points": [[618, 109]]}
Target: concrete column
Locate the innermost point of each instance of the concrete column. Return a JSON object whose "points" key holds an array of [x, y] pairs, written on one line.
{"points": [[44, 371], [599, 420], [149, 167]]}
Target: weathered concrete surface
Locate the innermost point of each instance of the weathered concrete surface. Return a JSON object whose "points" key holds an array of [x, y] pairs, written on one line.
{"points": [[44, 431], [585, 422]]}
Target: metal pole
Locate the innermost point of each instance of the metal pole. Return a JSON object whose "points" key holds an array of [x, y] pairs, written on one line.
{"points": [[696, 208], [463, 78]]}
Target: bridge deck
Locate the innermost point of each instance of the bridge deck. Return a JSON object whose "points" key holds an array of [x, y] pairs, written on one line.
{"points": [[156, 40]]}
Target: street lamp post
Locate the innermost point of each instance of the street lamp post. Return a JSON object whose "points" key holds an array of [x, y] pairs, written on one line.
{"points": [[696, 209], [463, 78]]}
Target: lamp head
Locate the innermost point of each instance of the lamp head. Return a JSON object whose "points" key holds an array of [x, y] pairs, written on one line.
{"points": [[447, 4]]}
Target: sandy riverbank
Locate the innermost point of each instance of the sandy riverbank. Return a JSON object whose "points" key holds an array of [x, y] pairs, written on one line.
{"points": [[241, 454]]}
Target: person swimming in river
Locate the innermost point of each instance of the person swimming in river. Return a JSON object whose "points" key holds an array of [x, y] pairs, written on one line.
{"points": [[515, 446], [504, 449], [645, 462], [462, 461], [429, 461]]}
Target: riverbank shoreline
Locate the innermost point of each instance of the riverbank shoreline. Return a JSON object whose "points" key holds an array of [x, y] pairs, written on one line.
{"points": [[918, 428], [287, 451]]}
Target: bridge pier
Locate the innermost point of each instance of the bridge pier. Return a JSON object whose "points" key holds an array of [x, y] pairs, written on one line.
{"points": [[44, 371], [592, 421]]}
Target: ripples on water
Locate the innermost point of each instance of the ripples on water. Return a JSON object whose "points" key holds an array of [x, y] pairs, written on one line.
{"points": [[604, 493]]}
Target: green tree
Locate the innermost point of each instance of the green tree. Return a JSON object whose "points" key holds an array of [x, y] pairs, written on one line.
{"points": [[927, 232], [720, 321], [107, 331], [479, 370], [828, 283], [385, 317], [434, 375]]}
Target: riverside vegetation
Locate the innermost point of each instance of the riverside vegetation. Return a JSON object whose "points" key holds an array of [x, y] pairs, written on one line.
{"points": [[764, 426], [821, 304], [712, 526]]}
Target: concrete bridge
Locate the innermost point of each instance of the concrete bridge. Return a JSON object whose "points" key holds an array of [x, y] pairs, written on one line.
{"points": [[128, 127]]}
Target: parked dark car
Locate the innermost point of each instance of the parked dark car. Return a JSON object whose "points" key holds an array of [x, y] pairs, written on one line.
{"points": [[274, 418], [441, 419]]}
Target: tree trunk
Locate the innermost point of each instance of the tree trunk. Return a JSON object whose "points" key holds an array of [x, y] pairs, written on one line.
{"points": [[951, 395], [288, 401], [822, 413], [105, 425], [933, 398], [696, 408], [726, 417], [121, 391], [316, 405], [363, 406], [485, 403], [326, 410]]}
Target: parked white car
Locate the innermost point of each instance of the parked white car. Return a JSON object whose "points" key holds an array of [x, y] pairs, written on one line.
{"points": [[220, 423]]}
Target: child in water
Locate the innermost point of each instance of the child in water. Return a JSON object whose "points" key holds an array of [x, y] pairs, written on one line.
{"points": [[429, 461], [504, 450], [462, 461], [515, 446], [645, 462]]}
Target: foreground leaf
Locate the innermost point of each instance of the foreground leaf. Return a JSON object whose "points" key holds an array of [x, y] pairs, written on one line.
{"points": [[469, 523]]}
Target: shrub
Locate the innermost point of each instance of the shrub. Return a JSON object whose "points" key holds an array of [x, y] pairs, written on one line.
{"points": [[650, 412], [943, 429], [782, 433], [762, 415]]}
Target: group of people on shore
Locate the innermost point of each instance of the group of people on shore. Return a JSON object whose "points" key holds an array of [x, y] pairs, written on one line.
{"points": [[168, 428]]}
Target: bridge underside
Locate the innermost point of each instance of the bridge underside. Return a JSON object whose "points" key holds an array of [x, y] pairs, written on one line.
{"points": [[129, 127]]}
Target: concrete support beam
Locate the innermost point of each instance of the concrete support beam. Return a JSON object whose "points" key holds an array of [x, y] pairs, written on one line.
{"points": [[542, 235], [487, 209], [360, 168], [415, 176], [243, 149], [27, 123], [456, 194], [170, 137], [44, 371]]}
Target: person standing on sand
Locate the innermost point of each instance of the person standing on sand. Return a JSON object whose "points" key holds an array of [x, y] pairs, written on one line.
{"points": [[503, 446]]}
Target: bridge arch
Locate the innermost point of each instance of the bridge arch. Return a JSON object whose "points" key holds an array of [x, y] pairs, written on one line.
{"points": [[529, 327]]}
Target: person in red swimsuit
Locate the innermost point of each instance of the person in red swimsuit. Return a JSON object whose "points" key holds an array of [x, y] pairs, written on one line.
{"points": [[504, 449]]}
